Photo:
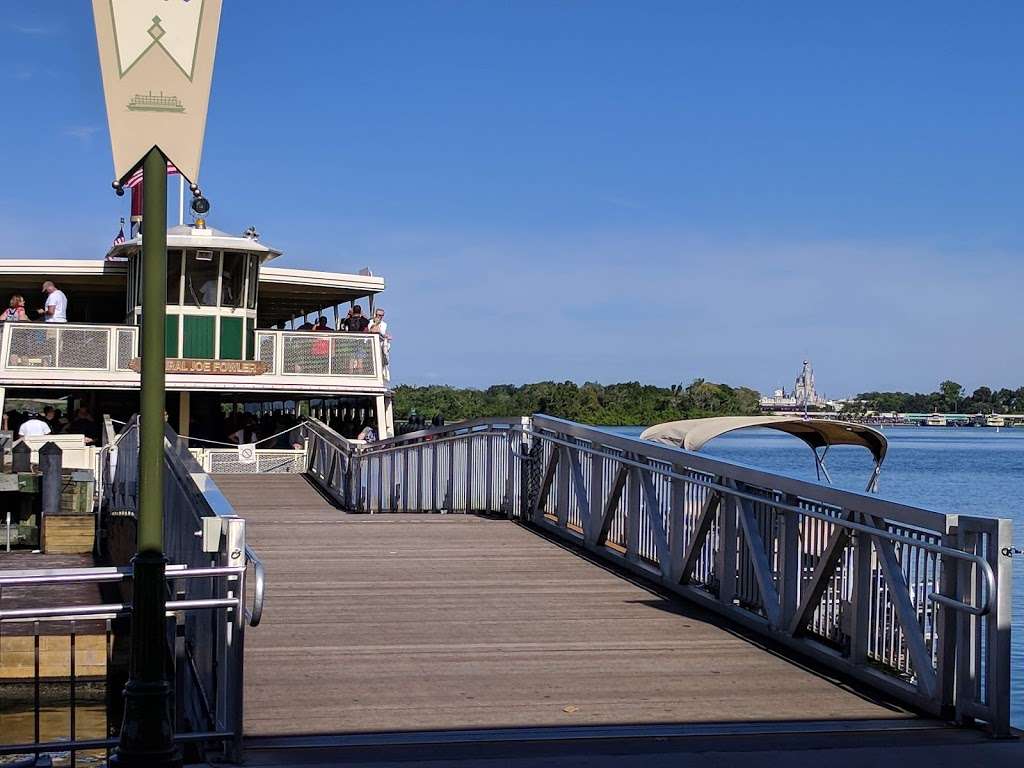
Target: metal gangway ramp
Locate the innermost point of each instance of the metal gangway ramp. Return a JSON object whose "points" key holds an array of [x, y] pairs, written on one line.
{"points": [[554, 613]]}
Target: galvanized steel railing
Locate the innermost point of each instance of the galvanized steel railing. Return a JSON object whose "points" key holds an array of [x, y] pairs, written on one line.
{"points": [[913, 602], [193, 603], [210, 594]]}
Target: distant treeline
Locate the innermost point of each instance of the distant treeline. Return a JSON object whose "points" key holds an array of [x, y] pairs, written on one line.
{"points": [[630, 403], [950, 398]]}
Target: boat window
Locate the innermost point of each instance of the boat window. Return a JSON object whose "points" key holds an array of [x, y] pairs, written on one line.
{"points": [[174, 277], [232, 284], [201, 278], [254, 280]]}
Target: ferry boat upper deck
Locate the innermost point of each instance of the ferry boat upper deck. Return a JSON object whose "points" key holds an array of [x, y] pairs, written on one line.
{"points": [[232, 335]]}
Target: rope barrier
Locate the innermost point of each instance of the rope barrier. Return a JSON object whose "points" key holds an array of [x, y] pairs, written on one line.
{"points": [[235, 445]]}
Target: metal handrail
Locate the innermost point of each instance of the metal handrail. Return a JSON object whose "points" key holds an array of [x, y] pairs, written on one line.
{"points": [[374, 449], [259, 587], [496, 427], [103, 574], [110, 610], [982, 563]]}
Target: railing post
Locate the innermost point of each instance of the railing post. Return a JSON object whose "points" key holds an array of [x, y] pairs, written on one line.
{"points": [[489, 476], [633, 484], [231, 687], [676, 524], [998, 553], [406, 500], [860, 603], [469, 470], [947, 620], [432, 504], [563, 471], [595, 494], [789, 560], [529, 471], [985, 653], [378, 458], [725, 557], [449, 496]]}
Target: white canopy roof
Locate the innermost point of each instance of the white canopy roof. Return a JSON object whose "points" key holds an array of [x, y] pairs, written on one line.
{"points": [[693, 434]]}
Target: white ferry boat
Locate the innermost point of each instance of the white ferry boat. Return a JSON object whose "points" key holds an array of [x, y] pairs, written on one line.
{"points": [[995, 420], [934, 420], [233, 338]]}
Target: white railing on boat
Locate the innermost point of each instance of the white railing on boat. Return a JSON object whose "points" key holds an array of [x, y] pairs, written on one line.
{"points": [[68, 354], [69, 346], [311, 353]]}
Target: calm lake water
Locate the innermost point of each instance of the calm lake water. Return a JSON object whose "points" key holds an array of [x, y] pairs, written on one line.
{"points": [[960, 470]]}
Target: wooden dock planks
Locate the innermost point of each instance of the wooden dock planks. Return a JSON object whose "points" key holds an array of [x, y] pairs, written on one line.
{"points": [[410, 622]]}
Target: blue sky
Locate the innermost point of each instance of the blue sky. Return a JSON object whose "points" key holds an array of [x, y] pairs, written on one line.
{"points": [[593, 191]]}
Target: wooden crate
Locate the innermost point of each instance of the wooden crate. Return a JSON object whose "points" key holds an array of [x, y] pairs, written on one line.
{"points": [[68, 534], [76, 497]]}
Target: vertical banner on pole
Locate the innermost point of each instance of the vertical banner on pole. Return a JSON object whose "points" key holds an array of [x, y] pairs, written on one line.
{"points": [[156, 57]]}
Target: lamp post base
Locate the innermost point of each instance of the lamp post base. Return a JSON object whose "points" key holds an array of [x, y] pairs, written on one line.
{"points": [[147, 730], [146, 735]]}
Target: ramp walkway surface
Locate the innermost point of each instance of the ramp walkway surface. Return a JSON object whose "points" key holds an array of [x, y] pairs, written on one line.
{"points": [[415, 622]]}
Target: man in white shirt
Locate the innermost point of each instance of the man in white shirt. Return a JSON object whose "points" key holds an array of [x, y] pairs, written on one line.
{"points": [[56, 309], [34, 427]]}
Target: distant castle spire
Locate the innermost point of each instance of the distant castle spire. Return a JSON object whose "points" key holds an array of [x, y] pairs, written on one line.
{"points": [[803, 388]]}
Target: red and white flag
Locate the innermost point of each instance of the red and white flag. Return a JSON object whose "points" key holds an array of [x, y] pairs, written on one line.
{"points": [[134, 183]]}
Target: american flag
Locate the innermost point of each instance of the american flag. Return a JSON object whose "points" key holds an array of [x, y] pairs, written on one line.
{"points": [[119, 238], [136, 178]]}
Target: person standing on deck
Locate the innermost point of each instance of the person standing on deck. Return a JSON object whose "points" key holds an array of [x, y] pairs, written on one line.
{"points": [[84, 424], [380, 327], [356, 322], [343, 323], [34, 427], [50, 417], [16, 312], [56, 308]]}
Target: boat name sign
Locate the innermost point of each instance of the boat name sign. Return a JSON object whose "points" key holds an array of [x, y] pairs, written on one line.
{"points": [[215, 367]]}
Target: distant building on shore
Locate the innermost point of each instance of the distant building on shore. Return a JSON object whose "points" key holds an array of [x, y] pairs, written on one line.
{"points": [[803, 397]]}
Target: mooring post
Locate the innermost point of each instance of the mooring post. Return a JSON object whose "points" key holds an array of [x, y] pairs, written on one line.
{"points": [[50, 461], [21, 458]]}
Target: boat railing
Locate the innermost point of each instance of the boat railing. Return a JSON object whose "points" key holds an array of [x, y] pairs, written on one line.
{"points": [[913, 602], [68, 351], [34, 347], [313, 354]]}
